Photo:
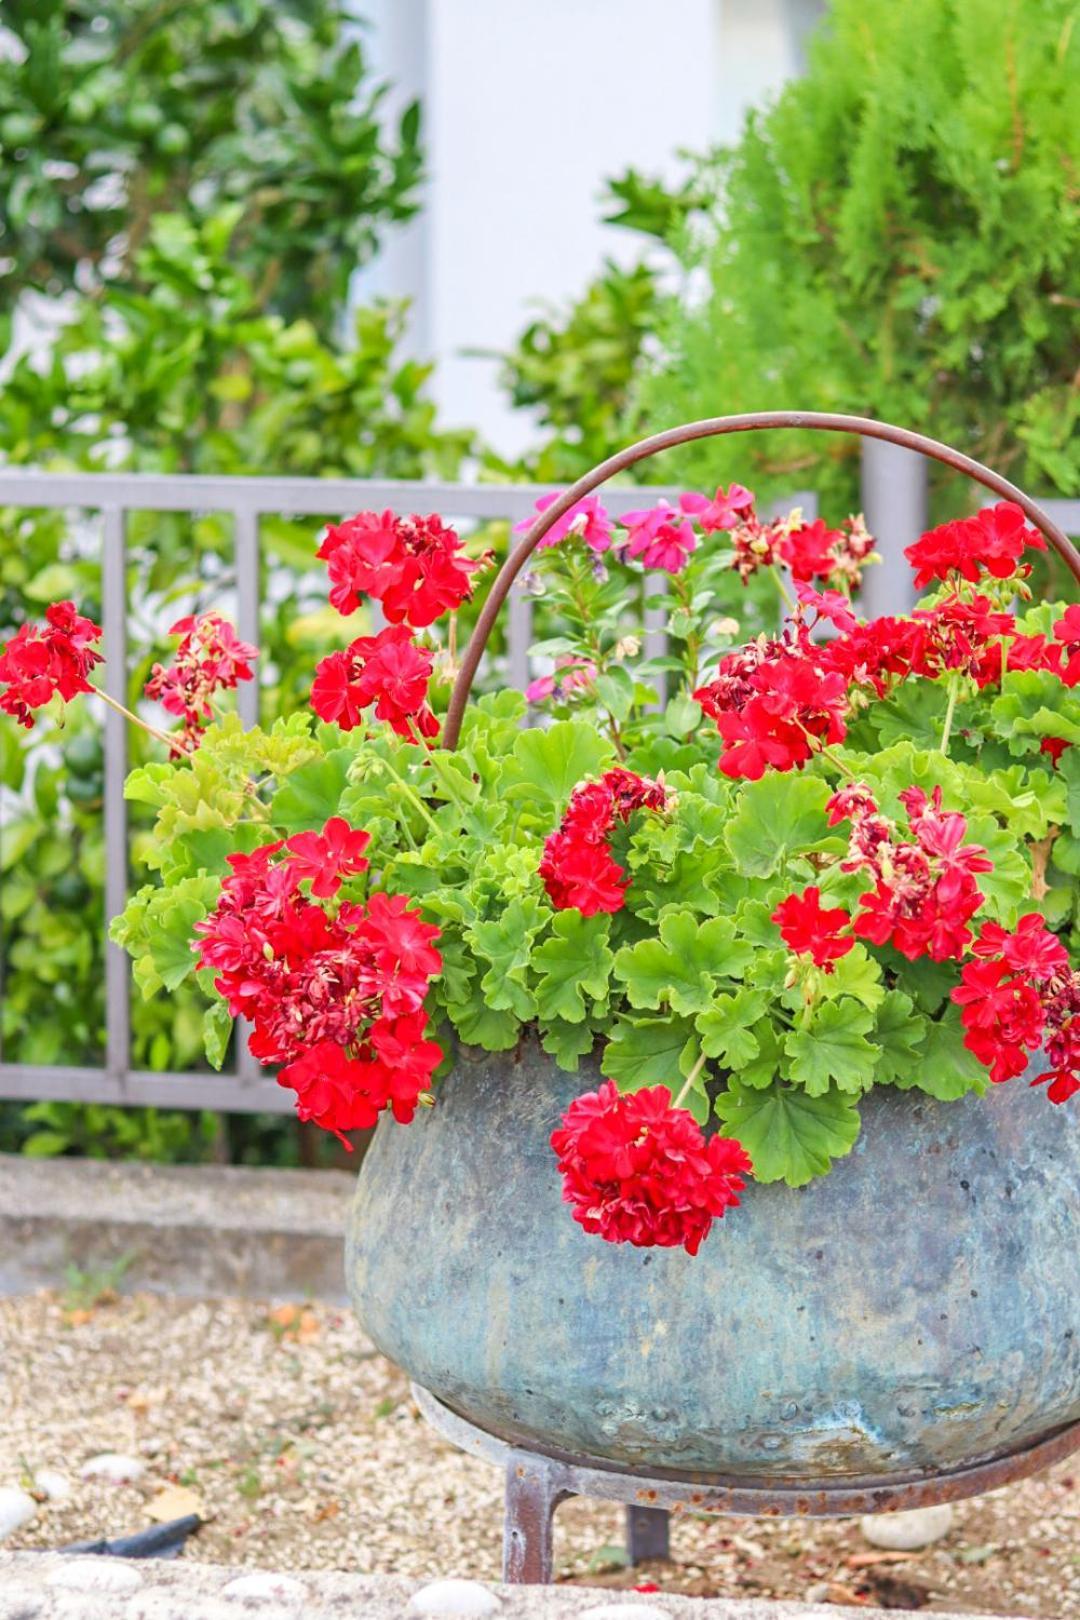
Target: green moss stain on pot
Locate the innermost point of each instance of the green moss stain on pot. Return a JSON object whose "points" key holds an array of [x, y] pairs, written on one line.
{"points": [[914, 1311]]}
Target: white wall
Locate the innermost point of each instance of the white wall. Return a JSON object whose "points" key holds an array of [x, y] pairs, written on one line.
{"points": [[529, 105]]}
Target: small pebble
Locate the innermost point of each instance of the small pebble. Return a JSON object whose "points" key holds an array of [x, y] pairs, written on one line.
{"points": [[624, 1611], [95, 1575], [440, 1599], [114, 1467], [906, 1532], [266, 1588], [16, 1509], [53, 1485]]}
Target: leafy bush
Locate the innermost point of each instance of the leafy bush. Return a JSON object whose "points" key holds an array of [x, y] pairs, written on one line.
{"points": [[115, 111], [201, 328], [897, 237]]}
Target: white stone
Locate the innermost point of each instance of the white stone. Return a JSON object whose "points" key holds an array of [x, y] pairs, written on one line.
{"points": [[266, 1588], [114, 1467], [95, 1575], [52, 1484], [452, 1598], [16, 1509], [906, 1532], [624, 1611]]}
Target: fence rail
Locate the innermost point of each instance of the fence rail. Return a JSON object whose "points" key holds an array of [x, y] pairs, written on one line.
{"points": [[247, 500]]}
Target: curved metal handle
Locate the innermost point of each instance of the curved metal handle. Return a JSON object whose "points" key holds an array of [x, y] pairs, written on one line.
{"points": [[710, 427]]}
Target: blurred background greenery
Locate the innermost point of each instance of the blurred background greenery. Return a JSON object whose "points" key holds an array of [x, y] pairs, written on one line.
{"points": [[185, 193]]}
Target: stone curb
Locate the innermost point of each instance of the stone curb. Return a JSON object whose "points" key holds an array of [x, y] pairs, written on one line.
{"points": [[199, 1231], [52, 1586]]}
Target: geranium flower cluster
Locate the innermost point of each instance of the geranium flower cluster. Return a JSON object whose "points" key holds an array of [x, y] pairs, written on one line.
{"points": [[335, 992], [388, 672], [811, 929], [570, 675], [775, 703], [43, 660], [577, 866], [1017, 994], [637, 1169], [992, 542], [415, 566], [925, 890], [210, 658], [662, 537]]}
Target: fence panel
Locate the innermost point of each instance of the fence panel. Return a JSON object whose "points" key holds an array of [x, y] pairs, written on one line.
{"points": [[246, 500]]}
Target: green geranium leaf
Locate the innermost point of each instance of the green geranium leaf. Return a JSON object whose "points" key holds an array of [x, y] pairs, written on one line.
{"points": [[217, 1028], [681, 967], [943, 1066], [650, 1052], [789, 1135], [900, 1032], [914, 713], [480, 1025], [1034, 704], [506, 942], [550, 764], [726, 1028], [833, 1050], [856, 974], [312, 794], [776, 817], [567, 1043], [575, 961]]}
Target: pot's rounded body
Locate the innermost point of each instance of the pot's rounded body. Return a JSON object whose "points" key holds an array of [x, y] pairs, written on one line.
{"points": [[917, 1310]]}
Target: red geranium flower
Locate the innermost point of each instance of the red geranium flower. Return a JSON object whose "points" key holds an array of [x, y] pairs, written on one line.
{"points": [[388, 670], [327, 857], [576, 865], [992, 542], [415, 566], [806, 926], [41, 661], [335, 996], [210, 658], [638, 1170]]}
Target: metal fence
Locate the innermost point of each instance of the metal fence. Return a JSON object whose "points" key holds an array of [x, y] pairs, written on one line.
{"points": [[246, 500]]}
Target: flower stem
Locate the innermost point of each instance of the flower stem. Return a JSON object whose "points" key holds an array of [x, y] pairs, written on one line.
{"points": [[954, 692], [782, 588], [136, 720], [410, 794], [439, 767], [688, 1085]]}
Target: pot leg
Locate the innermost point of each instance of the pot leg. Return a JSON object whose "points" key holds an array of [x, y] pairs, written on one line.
{"points": [[647, 1533], [534, 1489]]}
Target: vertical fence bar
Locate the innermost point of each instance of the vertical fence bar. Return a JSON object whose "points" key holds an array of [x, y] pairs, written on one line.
{"points": [[655, 621], [114, 625], [518, 637], [248, 601], [895, 497]]}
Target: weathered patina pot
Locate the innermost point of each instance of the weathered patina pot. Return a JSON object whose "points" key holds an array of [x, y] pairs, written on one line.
{"points": [[917, 1310]]}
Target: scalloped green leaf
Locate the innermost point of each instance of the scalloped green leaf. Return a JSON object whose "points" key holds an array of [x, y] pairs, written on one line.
{"points": [[650, 1052], [832, 1049], [899, 1031], [726, 1028], [550, 764], [777, 817], [574, 961], [789, 1135], [680, 968], [567, 1043], [312, 794]]}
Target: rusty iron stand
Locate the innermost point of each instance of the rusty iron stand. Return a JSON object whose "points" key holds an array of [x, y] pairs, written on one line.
{"points": [[536, 1483]]}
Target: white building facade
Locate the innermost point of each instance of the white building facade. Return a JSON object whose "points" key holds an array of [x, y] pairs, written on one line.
{"points": [[529, 105]]}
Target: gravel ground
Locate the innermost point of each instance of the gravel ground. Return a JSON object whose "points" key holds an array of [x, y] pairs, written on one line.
{"points": [[303, 1449]]}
